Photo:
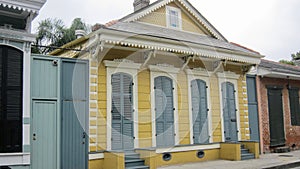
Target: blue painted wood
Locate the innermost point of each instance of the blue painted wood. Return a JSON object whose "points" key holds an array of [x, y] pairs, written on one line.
{"points": [[229, 112], [64, 83], [44, 135], [122, 112], [199, 111], [164, 112], [74, 114], [252, 108], [45, 78]]}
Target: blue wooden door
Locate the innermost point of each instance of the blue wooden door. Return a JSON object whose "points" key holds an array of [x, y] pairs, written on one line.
{"points": [[164, 111], [199, 111], [252, 108], [74, 114], [122, 112], [44, 114], [44, 135], [229, 112]]}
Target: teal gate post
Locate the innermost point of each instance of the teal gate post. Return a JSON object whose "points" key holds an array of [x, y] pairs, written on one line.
{"points": [[59, 113]]}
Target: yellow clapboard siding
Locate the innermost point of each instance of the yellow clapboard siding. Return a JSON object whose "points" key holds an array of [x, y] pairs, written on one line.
{"points": [[145, 127], [145, 142], [102, 104], [144, 104]]}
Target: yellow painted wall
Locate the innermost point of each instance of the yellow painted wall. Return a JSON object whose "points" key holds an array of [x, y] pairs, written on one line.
{"points": [[230, 151], [183, 108], [243, 106], [93, 105], [144, 105], [215, 107], [96, 164], [155, 160], [159, 18], [114, 160], [102, 114]]}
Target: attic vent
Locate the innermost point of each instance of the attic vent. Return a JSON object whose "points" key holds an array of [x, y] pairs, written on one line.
{"points": [[139, 4]]}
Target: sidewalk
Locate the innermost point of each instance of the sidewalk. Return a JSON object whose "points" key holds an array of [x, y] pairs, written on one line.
{"points": [[267, 161]]}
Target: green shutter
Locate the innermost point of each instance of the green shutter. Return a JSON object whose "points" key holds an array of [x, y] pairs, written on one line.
{"points": [[199, 111], [11, 99], [294, 106], [276, 121], [164, 111]]}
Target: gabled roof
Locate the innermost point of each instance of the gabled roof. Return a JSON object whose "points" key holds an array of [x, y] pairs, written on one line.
{"points": [[176, 35], [185, 4]]}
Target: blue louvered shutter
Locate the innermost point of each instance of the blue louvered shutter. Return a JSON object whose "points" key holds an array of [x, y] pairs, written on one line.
{"points": [[229, 112], [226, 117], [122, 112], [128, 112], [116, 112], [232, 110], [199, 111], [164, 111]]}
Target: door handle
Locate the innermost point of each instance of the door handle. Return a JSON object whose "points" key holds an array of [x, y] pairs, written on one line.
{"points": [[34, 136]]}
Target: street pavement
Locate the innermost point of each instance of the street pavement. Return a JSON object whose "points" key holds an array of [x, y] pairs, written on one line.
{"points": [[266, 161]]}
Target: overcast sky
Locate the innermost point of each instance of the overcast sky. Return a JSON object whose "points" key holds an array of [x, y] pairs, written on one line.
{"points": [[271, 27]]}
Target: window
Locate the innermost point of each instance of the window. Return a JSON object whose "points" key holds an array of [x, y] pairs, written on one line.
{"points": [[173, 17], [122, 103], [294, 106], [11, 93]]}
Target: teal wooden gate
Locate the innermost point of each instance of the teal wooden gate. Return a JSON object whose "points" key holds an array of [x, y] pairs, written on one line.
{"points": [[122, 112], [164, 111], [229, 112], [74, 114], [59, 92], [199, 111]]}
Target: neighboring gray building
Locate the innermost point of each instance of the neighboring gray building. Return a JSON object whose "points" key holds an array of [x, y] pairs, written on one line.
{"points": [[15, 49]]}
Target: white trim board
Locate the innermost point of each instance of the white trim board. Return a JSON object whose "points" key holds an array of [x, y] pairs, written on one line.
{"points": [[129, 67], [14, 159], [96, 156]]}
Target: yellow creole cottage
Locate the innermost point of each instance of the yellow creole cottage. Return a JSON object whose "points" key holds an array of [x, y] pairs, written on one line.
{"points": [[165, 88]]}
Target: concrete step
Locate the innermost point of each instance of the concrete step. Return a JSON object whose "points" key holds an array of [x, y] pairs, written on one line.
{"points": [[247, 156], [129, 156], [134, 162], [138, 167], [284, 149], [244, 151]]}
